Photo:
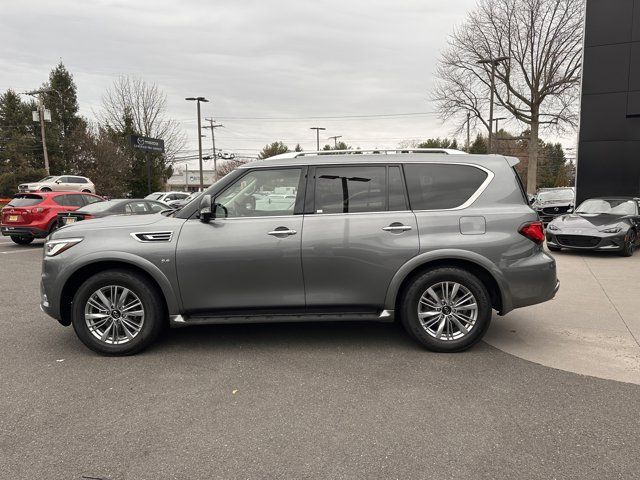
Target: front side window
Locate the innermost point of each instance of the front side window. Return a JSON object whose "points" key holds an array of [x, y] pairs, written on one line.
{"points": [[350, 189], [261, 193], [434, 186]]}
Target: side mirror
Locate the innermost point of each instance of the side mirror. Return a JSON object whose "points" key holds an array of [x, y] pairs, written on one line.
{"points": [[206, 213], [58, 181]]}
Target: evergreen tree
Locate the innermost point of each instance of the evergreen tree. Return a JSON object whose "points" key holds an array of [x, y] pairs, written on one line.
{"points": [[21, 157], [275, 148], [66, 127], [439, 143], [479, 145]]}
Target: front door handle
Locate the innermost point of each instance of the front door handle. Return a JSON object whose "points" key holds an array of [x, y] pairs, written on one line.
{"points": [[282, 232], [397, 227]]}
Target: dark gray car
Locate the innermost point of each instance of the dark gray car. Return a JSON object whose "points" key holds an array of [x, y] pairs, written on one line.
{"points": [[605, 224], [437, 241]]}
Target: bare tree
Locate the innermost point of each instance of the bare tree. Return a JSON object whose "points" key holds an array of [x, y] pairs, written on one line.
{"points": [[229, 166], [133, 103], [538, 84]]}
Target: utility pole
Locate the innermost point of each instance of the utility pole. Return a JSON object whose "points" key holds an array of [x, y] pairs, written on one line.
{"points": [[198, 100], [468, 131], [335, 140], [494, 63], [186, 177], [497, 120], [213, 127], [40, 96], [317, 129]]}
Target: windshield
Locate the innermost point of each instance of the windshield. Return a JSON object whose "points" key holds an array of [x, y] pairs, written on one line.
{"points": [[99, 206], [555, 195], [599, 206], [153, 196], [25, 200], [46, 179]]}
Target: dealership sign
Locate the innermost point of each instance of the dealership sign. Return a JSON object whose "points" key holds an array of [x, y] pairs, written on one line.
{"points": [[147, 144]]}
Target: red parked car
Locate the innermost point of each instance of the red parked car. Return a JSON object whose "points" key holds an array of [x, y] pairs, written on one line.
{"points": [[35, 215]]}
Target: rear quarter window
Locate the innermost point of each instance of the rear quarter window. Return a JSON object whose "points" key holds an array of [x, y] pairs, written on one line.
{"points": [[434, 186]]}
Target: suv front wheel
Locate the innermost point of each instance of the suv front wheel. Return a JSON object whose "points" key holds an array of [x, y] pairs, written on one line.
{"points": [[117, 312], [446, 309]]}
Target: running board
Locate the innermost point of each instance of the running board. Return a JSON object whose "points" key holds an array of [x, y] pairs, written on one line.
{"points": [[186, 320]]}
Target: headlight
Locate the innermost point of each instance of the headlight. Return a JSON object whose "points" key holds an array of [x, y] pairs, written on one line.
{"points": [[55, 247], [551, 226], [611, 230]]}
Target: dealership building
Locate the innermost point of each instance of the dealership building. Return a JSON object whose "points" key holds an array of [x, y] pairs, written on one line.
{"points": [[609, 144]]}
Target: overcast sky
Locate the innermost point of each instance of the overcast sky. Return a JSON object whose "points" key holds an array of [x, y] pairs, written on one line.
{"points": [[251, 58]]}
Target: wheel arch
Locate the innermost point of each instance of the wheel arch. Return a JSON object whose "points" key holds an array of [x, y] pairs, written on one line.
{"points": [[479, 266], [73, 282]]}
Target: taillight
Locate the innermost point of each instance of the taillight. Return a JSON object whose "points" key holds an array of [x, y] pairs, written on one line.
{"points": [[534, 231], [37, 210]]}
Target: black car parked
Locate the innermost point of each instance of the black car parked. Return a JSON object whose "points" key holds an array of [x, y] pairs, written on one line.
{"points": [[553, 202], [598, 224], [124, 206]]}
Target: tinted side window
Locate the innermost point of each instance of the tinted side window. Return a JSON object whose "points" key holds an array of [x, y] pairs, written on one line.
{"points": [[350, 189], [435, 186], [397, 198], [69, 200]]}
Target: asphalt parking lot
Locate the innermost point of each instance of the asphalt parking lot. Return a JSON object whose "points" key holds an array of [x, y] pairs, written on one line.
{"points": [[293, 401]]}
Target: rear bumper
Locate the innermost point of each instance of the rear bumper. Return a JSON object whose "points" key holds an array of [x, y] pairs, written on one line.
{"points": [[531, 281], [20, 231]]}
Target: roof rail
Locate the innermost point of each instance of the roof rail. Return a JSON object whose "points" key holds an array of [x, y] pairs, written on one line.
{"points": [[371, 151]]}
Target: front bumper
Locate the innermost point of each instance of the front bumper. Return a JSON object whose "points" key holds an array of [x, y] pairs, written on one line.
{"points": [[10, 231], [592, 240]]}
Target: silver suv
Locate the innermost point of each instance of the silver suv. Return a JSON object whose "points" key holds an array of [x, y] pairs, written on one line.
{"points": [[436, 241], [61, 183]]}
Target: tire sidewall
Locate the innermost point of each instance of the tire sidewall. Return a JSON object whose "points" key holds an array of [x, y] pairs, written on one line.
{"points": [[21, 240], [419, 285], [138, 285]]}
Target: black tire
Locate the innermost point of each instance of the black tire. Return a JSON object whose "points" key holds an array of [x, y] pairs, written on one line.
{"points": [[54, 226], [553, 249], [154, 312], [629, 243], [86, 191], [45, 189], [20, 240], [410, 303]]}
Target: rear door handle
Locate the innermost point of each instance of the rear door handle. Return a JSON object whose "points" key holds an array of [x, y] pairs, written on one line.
{"points": [[397, 227], [281, 232]]}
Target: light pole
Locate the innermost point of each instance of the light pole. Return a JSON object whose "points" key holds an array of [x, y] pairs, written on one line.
{"points": [[198, 100], [494, 63], [317, 129]]}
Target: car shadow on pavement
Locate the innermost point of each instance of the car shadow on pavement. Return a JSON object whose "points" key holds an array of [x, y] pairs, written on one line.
{"points": [[348, 335]]}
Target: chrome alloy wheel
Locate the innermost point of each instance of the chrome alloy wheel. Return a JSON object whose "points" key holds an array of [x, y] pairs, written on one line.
{"points": [[447, 311], [114, 314]]}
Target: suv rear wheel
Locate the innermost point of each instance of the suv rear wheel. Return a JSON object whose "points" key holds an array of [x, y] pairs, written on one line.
{"points": [[446, 309], [117, 312]]}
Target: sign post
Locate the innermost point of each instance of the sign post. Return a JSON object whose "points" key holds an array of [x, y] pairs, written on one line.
{"points": [[147, 144]]}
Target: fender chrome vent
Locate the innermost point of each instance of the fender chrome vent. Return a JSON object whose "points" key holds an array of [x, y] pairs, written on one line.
{"points": [[153, 237]]}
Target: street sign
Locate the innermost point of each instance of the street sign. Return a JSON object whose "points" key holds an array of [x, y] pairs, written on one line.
{"points": [[147, 144]]}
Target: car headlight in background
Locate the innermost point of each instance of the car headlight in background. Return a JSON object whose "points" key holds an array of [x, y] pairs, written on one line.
{"points": [[611, 230], [55, 247], [551, 226]]}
